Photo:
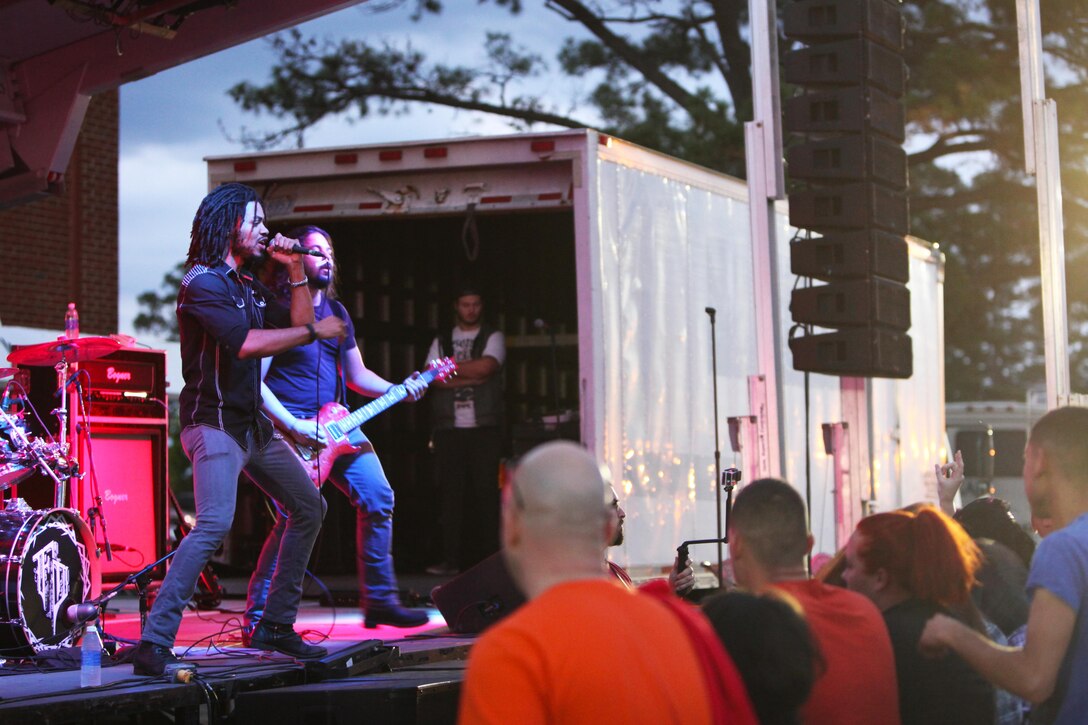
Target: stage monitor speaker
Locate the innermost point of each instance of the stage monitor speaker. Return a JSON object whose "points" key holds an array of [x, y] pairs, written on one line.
{"points": [[479, 597], [128, 463]]}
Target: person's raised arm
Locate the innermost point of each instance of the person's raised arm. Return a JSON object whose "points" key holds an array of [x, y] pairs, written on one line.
{"points": [[949, 480], [302, 302], [363, 380]]}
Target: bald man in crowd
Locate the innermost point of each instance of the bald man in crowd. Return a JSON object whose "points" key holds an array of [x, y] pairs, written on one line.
{"points": [[1051, 669], [584, 648]]}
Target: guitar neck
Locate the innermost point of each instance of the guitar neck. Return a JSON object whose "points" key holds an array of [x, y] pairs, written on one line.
{"points": [[393, 396]]}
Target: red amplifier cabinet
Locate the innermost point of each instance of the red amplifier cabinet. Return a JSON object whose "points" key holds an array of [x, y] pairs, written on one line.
{"points": [[121, 444]]}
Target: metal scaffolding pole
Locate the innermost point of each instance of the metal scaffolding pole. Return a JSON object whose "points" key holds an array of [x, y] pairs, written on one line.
{"points": [[763, 151], [1041, 160]]}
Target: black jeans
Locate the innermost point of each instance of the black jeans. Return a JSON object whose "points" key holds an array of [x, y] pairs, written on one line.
{"points": [[467, 472]]}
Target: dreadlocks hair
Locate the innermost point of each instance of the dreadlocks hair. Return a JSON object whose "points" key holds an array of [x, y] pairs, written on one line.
{"points": [[216, 222], [279, 282]]}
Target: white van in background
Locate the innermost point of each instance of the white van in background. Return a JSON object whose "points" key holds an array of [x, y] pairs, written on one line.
{"points": [[992, 436]]}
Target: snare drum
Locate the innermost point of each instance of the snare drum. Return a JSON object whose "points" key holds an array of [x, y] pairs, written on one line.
{"points": [[45, 565]]}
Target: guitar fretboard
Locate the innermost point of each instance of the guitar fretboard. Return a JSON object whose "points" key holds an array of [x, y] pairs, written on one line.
{"points": [[393, 396]]}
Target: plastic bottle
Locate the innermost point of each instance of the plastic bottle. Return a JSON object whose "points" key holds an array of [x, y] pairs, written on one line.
{"points": [[71, 322], [90, 670]]}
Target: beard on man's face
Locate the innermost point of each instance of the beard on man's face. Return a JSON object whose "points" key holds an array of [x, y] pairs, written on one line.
{"points": [[617, 539]]}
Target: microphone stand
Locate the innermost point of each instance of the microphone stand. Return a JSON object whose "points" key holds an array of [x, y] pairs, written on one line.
{"points": [[717, 447], [96, 497], [140, 579], [730, 478]]}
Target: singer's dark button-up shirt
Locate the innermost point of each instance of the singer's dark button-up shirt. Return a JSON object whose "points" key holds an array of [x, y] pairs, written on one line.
{"points": [[217, 307]]}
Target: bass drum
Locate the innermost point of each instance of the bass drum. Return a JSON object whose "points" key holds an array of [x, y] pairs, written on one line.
{"points": [[45, 567]]}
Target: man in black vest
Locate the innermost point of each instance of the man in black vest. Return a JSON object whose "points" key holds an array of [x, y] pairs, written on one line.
{"points": [[468, 412]]}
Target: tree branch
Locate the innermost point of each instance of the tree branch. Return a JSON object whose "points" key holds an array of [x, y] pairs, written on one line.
{"points": [[576, 11], [943, 146]]}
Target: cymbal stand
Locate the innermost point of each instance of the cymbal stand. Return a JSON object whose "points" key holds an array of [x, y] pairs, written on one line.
{"points": [[95, 511], [66, 430]]}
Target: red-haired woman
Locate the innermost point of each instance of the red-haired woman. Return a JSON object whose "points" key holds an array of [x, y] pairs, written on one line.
{"points": [[914, 565]]}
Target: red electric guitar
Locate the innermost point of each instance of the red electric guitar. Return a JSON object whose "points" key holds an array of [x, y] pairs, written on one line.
{"points": [[337, 423]]}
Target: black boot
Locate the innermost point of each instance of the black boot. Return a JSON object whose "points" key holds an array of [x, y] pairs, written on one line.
{"points": [[152, 659], [275, 637], [395, 615]]}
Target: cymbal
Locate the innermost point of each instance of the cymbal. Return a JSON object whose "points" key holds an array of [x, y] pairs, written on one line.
{"points": [[70, 350], [8, 372]]}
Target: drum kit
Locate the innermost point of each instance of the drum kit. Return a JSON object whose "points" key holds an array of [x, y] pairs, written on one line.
{"points": [[48, 561]]}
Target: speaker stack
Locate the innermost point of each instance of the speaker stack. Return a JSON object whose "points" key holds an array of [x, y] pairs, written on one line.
{"points": [[120, 440]]}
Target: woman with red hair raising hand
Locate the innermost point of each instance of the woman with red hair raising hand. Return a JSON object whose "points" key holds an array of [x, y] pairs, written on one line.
{"points": [[912, 565]]}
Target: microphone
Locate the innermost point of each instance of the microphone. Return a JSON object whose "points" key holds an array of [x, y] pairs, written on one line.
{"points": [[80, 613], [297, 249], [541, 324], [5, 402]]}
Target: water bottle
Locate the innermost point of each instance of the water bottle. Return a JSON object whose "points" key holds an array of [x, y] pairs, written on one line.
{"points": [[71, 322], [90, 670]]}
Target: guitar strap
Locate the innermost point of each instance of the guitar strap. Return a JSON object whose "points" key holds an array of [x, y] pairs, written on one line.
{"points": [[341, 377]]}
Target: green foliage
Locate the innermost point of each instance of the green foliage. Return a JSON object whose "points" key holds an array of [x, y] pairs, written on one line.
{"points": [[674, 75], [157, 316]]}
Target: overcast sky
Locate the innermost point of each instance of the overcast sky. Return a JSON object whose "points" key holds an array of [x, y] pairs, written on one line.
{"points": [[171, 121]]}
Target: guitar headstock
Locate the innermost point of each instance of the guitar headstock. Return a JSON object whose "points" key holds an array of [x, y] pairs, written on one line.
{"points": [[442, 368]]}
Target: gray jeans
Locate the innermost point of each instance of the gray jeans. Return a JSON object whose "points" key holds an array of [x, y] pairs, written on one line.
{"points": [[217, 460], [361, 476]]}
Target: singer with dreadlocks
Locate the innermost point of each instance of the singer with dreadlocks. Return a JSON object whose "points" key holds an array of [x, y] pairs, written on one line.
{"points": [[227, 322]]}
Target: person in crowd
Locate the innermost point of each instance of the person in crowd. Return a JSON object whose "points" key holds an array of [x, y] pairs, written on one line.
{"points": [[773, 649], [681, 578], [584, 648], [768, 543], [1007, 551], [1052, 665], [989, 517], [912, 565], [227, 322], [297, 383], [467, 414]]}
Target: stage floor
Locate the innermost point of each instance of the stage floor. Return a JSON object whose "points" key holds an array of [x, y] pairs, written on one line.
{"points": [[384, 674]]}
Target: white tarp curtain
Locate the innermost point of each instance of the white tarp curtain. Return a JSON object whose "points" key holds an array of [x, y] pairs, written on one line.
{"points": [[668, 250]]}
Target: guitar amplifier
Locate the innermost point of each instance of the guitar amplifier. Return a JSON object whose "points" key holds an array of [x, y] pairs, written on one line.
{"points": [[126, 384], [121, 446]]}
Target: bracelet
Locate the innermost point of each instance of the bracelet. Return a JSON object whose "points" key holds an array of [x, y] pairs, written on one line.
{"points": [[296, 285], [313, 332]]}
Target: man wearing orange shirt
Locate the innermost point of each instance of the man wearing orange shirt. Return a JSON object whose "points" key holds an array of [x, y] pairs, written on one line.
{"points": [[768, 542], [584, 648]]}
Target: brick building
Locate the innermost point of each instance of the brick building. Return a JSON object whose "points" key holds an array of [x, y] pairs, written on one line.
{"points": [[63, 249]]}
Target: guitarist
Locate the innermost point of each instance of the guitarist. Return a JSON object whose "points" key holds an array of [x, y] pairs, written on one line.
{"points": [[296, 384]]}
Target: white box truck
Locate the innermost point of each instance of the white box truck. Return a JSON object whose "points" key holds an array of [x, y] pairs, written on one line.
{"points": [[617, 252]]}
